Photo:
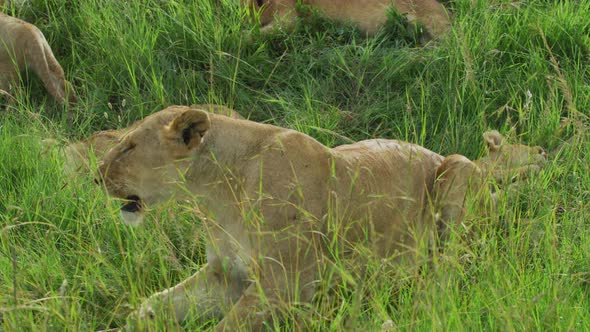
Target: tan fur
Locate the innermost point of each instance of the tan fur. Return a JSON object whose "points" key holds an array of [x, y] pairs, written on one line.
{"points": [[279, 204], [368, 15], [23, 45]]}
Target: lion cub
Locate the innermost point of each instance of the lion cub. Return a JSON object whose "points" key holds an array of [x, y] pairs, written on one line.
{"points": [[368, 15], [23, 45], [509, 162]]}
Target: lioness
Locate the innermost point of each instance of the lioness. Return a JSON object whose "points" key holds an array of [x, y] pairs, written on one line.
{"points": [[23, 45], [279, 206], [368, 15]]}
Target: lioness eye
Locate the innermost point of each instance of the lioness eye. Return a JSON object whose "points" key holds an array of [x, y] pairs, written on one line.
{"points": [[259, 3], [129, 147]]}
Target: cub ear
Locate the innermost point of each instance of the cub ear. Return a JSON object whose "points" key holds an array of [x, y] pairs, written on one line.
{"points": [[187, 128], [493, 139]]}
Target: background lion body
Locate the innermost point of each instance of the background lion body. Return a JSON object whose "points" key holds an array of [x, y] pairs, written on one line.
{"points": [[23, 45], [367, 15]]}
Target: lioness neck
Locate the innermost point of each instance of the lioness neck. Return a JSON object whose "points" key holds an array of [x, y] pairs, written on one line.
{"points": [[232, 140]]}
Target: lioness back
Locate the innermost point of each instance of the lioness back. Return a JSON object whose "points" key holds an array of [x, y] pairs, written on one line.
{"points": [[389, 182]]}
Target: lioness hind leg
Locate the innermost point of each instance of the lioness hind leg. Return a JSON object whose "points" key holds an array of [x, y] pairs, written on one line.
{"points": [[8, 77], [51, 73], [4, 86], [279, 284], [454, 177]]}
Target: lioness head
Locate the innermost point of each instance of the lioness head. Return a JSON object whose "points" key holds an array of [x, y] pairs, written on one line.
{"points": [[145, 166]]}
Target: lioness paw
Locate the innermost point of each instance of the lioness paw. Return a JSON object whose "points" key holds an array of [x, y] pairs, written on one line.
{"points": [[146, 312], [143, 319]]}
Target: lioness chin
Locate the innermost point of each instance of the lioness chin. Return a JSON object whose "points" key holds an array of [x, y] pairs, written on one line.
{"points": [[369, 15], [280, 206], [23, 45]]}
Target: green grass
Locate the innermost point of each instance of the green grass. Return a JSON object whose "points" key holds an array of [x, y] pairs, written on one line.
{"points": [[68, 263]]}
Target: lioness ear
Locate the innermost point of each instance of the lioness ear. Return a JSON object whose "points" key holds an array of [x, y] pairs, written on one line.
{"points": [[188, 128], [493, 139]]}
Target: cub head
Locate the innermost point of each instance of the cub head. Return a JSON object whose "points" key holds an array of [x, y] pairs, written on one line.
{"points": [[507, 160], [147, 163]]}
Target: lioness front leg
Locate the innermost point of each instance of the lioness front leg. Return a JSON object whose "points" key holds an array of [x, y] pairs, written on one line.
{"points": [[276, 290], [246, 315], [51, 73], [206, 293]]}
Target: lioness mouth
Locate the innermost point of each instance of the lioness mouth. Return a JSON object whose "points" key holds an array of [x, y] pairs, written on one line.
{"points": [[133, 205]]}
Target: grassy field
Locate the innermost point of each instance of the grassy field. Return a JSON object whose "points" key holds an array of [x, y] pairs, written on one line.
{"points": [[68, 263]]}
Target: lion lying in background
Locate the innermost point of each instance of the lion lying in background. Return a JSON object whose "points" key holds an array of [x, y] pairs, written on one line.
{"points": [[23, 45], [280, 205], [369, 15]]}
